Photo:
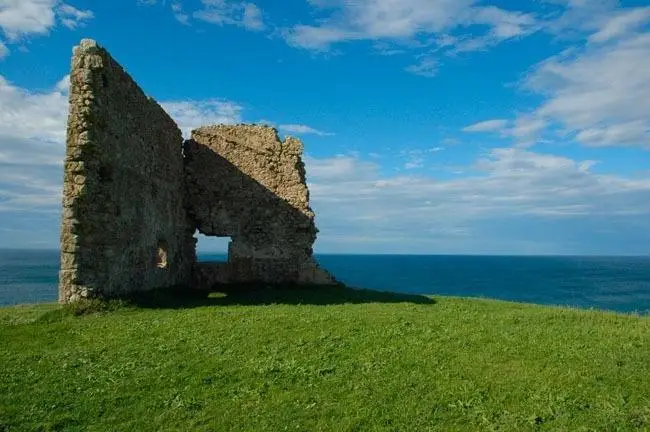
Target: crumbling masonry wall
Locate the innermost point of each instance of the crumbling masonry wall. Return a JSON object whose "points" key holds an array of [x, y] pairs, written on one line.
{"points": [[242, 181], [124, 227], [134, 194]]}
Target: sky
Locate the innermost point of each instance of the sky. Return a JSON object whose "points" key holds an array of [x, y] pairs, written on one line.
{"points": [[429, 126]]}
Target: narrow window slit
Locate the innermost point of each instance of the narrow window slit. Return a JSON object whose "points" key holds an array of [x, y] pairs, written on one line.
{"points": [[161, 255]]}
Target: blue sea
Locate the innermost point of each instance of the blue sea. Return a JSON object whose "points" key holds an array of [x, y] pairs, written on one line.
{"points": [[613, 283]]}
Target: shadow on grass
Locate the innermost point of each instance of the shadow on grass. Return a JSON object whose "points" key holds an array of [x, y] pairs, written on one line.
{"points": [[266, 295], [248, 295]]}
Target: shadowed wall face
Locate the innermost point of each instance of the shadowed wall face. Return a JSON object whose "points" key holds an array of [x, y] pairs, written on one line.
{"points": [[124, 226], [243, 182]]}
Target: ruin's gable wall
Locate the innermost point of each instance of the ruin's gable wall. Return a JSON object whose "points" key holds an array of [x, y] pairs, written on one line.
{"points": [[124, 226], [243, 182]]}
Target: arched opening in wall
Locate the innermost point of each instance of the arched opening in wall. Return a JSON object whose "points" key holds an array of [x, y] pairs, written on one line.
{"points": [[211, 248]]}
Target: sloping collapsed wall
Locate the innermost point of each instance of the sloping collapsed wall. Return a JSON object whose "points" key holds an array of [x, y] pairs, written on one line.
{"points": [[132, 201], [243, 182]]}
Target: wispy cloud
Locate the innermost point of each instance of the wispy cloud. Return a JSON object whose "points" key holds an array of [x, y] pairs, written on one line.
{"points": [[576, 18], [596, 92], [179, 14], [32, 135], [30, 115], [417, 213], [388, 20], [302, 130], [418, 158], [72, 17], [487, 126], [621, 22], [426, 67], [190, 115], [226, 12], [602, 93], [252, 18], [431, 31]]}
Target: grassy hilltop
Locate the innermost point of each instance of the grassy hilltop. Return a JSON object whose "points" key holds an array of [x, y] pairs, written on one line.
{"points": [[328, 360]]}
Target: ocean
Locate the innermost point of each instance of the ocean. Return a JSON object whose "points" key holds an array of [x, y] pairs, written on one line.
{"points": [[612, 283]]}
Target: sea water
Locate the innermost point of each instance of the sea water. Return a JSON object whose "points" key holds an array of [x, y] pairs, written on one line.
{"points": [[614, 283]]}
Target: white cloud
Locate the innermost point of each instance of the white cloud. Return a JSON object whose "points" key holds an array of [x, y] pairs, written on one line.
{"points": [[318, 38], [415, 162], [30, 187], [575, 17], [426, 67], [414, 213], [487, 126], [179, 14], [29, 115], [63, 85], [418, 158], [253, 19], [619, 134], [193, 114], [340, 167], [225, 12], [601, 93], [620, 23], [526, 129], [430, 30], [404, 20], [302, 129], [596, 20], [505, 24], [72, 17], [32, 135], [378, 19], [387, 49], [21, 18], [596, 91]]}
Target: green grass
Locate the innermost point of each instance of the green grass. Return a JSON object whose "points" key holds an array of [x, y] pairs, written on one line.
{"points": [[330, 360]]}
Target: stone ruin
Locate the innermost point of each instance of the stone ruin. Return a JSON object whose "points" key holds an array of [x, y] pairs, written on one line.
{"points": [[135, 193]]}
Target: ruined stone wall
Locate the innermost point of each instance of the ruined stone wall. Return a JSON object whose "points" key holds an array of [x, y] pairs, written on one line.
{"points": [[124, 227], [243, 182]]}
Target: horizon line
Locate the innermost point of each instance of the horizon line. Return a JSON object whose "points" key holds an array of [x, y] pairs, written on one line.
{"points": [[593, 255]]}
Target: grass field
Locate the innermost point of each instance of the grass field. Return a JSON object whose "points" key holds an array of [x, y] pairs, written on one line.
{"points": [[328, 360]]}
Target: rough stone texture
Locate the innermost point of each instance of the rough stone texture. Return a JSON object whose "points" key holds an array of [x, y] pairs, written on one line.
{"points": [[134, 194], [243, 182], [124, 227]]}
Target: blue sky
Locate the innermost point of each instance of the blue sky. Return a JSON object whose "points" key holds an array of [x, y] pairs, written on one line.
{"points": [[430, 126]]}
